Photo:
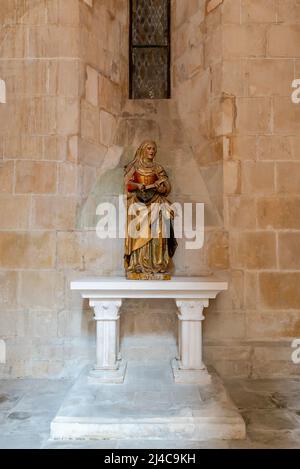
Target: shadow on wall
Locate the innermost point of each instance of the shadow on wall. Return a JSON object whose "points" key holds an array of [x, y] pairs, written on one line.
{"points": [[191, 182]]}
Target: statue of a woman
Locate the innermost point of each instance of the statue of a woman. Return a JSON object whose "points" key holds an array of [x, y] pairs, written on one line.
{"points": [[149, 250]]}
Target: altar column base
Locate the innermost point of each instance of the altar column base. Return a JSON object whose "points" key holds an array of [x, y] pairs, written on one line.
{"points": [[109, 366], [188, 367]]}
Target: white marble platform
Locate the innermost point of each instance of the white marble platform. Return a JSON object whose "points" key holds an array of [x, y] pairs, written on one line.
{"points": [[149, 405]]}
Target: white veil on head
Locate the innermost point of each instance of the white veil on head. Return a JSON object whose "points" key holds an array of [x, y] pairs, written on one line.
{"points": [[138, 161]]}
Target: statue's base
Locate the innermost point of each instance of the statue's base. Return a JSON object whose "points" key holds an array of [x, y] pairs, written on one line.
{"points": [[144, 276]]}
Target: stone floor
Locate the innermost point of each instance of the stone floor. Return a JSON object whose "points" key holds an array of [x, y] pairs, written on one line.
{"points": [[271, 409]]}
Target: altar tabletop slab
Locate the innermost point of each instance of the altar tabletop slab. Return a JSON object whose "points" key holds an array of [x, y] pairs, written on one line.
{"points": [[177, 287]]}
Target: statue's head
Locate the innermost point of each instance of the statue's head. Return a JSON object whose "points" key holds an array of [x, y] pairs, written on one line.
{"points": [[146, 151], [144, 156]]}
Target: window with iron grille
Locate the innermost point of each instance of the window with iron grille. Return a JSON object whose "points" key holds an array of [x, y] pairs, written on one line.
{"points": [[149, 49]]}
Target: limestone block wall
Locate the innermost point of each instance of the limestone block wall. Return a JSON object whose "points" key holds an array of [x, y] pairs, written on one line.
{"points": [[250, 332], [228, 138], [103, 79], [196, 56], [39, 62]]}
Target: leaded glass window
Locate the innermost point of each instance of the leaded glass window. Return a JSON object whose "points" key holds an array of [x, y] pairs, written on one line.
{"points": [[150, 49]]}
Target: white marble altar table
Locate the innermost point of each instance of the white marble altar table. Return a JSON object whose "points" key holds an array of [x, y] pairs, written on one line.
{"points": [[192, 295]]}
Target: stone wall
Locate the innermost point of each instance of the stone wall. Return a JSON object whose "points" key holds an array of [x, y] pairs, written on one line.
{"points": [[260, 317], [39, 46], [56, 56], [228, 138]]}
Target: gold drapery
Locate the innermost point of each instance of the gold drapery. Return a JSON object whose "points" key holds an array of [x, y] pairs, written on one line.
{"points": [[148, 253]]}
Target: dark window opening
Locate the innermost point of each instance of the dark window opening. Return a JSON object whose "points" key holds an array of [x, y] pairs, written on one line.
{"points": [[149, 49]]}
